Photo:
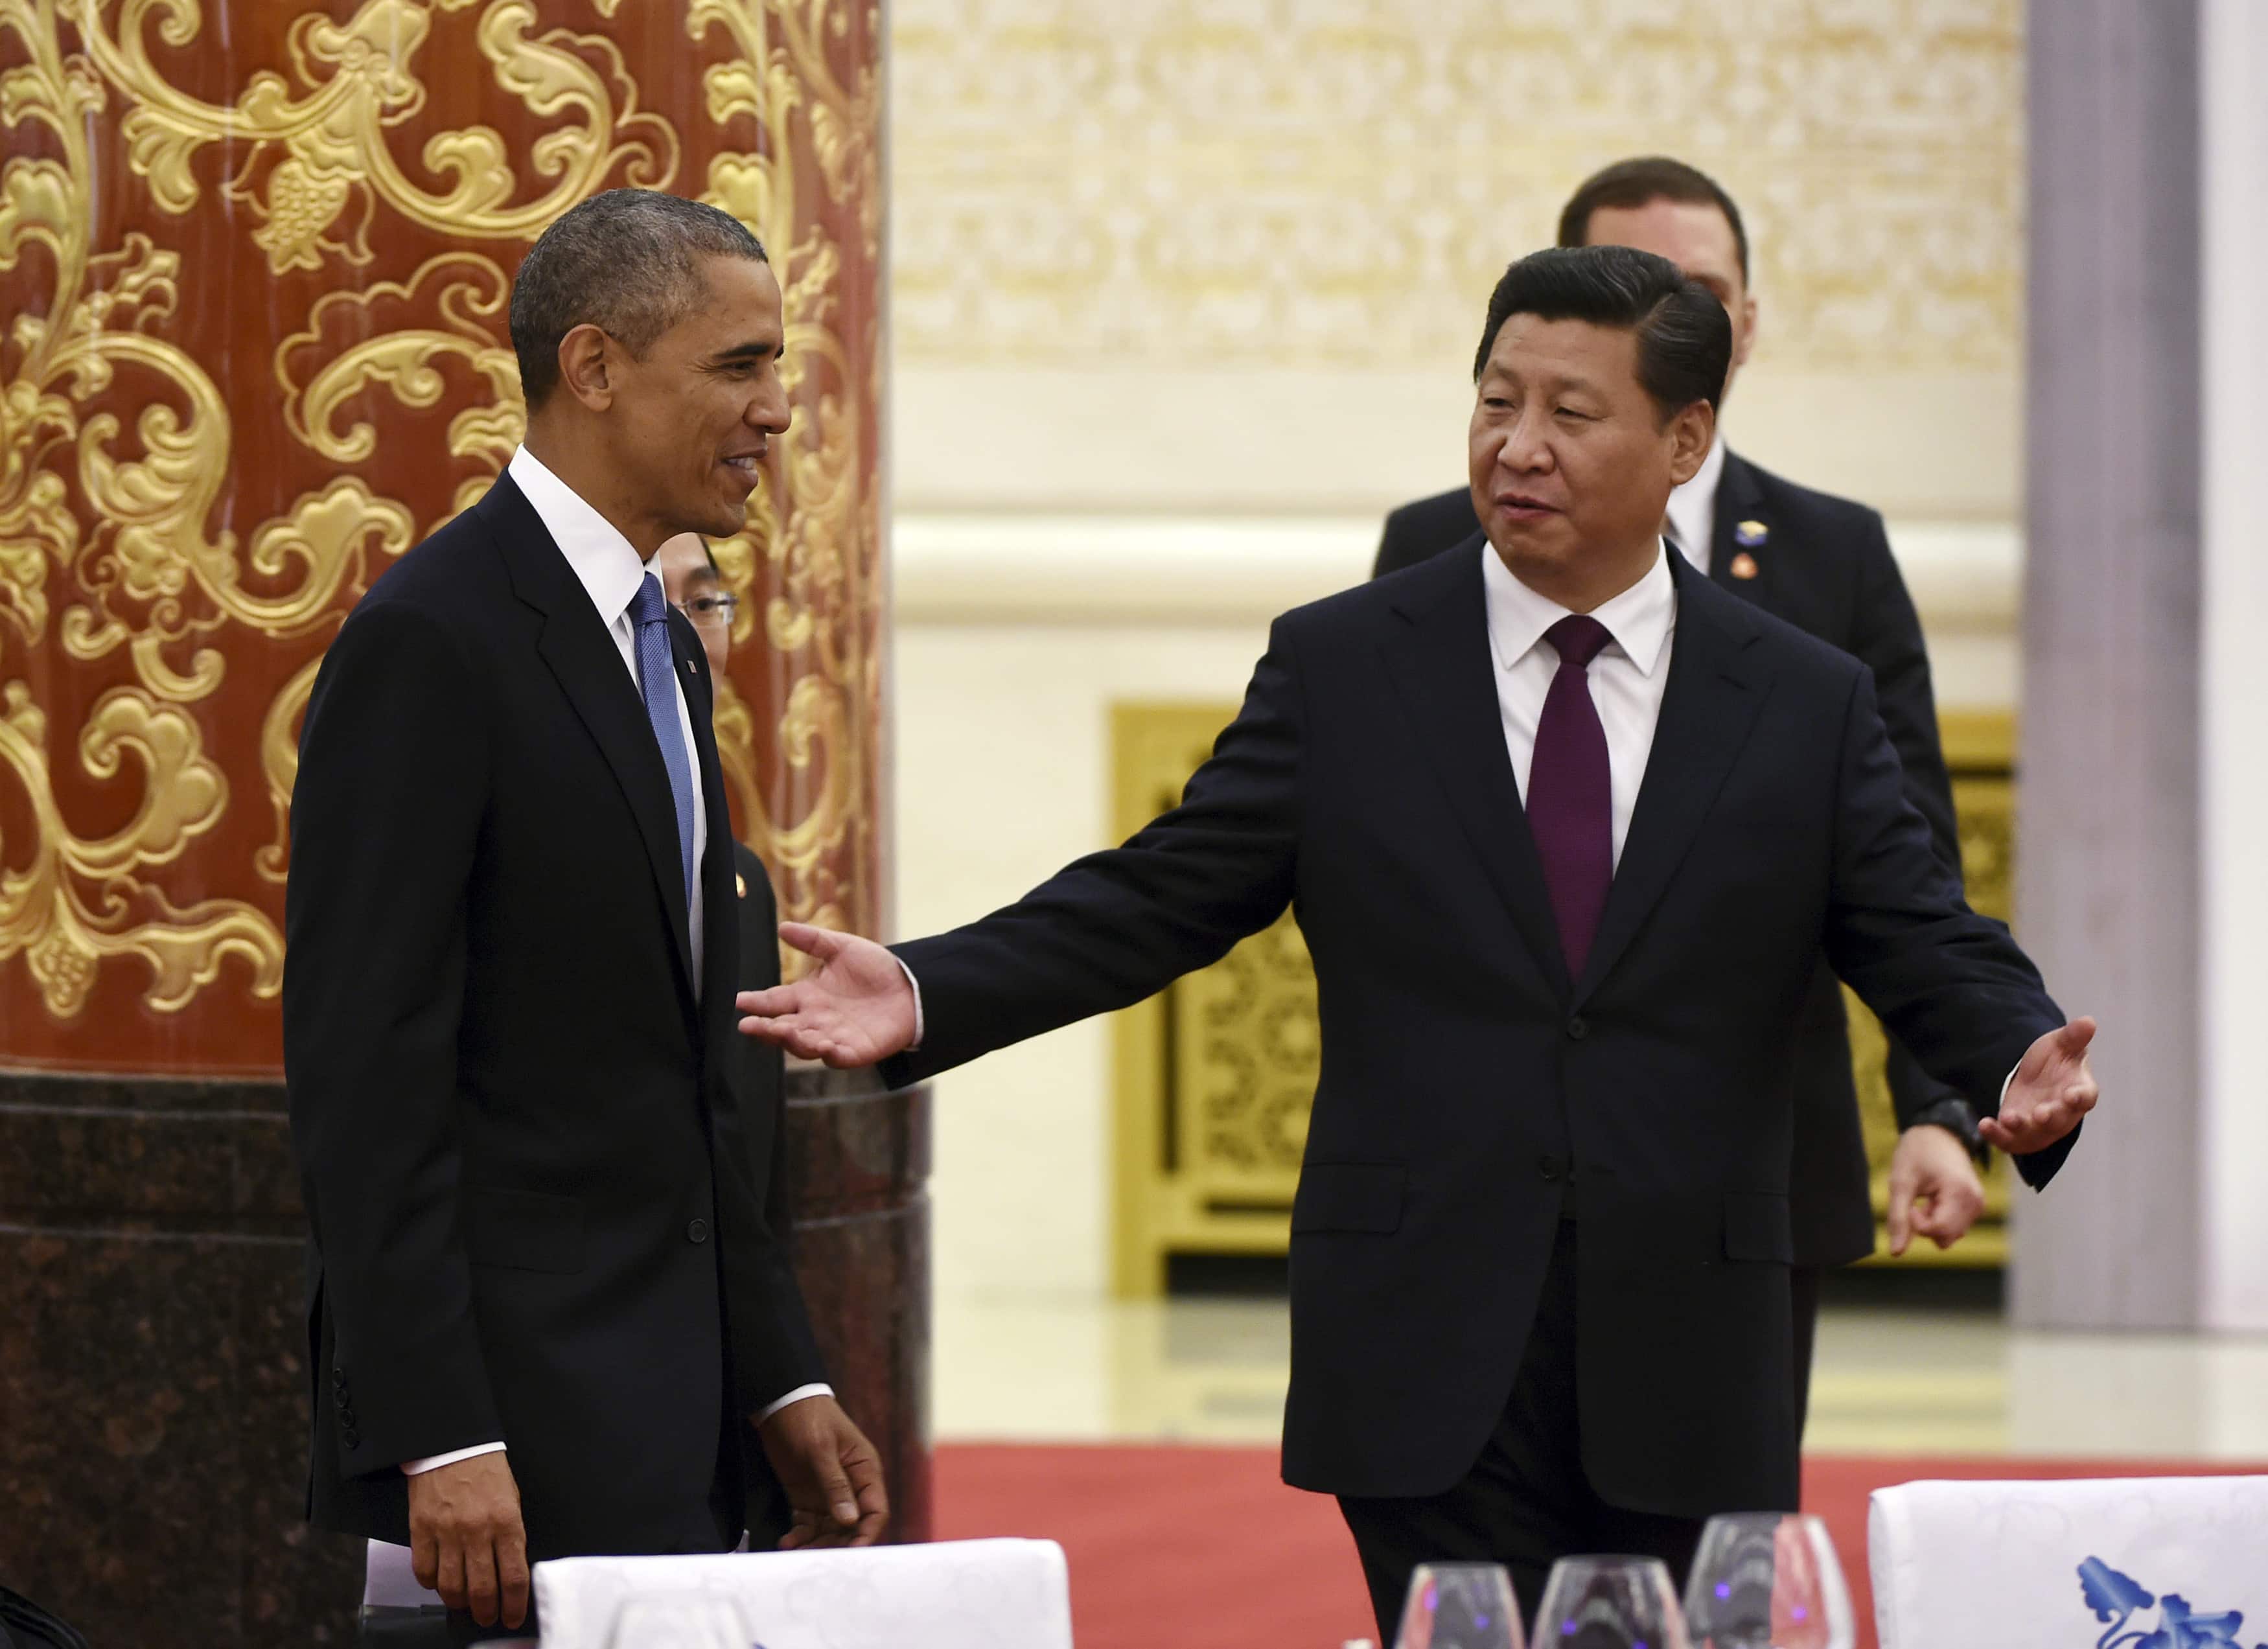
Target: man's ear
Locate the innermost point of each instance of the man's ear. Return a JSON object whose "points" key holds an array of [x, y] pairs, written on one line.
{"points": [[1690, 432], [586, 361], [1748, 338]]}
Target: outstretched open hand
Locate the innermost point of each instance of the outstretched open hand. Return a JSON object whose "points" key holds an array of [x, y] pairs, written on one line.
{"points": [[2052, 1089], [856, 1008]]}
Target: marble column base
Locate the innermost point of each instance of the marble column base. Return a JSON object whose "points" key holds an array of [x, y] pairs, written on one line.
{"points": [[153, 1415], [860, 1163], [153, 1410]]}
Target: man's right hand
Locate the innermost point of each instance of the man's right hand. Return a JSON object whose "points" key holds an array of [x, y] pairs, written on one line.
{"points": [[466, 1540], [856, 1008]]}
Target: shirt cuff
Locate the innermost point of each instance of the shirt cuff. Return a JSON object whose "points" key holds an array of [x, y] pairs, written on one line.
{"points": [[434, 1462], [916, 986], [796, 1395]]}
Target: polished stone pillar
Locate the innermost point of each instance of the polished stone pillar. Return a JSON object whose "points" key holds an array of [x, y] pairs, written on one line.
{"points": [[2109, 895], [254, 262]]}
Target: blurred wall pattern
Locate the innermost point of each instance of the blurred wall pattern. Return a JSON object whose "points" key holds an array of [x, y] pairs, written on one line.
{"points": [[1292, 211], [253, 265], [1184, 297]]}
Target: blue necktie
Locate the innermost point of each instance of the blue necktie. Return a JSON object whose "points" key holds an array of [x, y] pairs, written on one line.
{"points": [[657, 681]]}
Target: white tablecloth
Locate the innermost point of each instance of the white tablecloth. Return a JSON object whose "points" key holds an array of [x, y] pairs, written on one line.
{"points": [[950, 1594], [2015, 1566]]}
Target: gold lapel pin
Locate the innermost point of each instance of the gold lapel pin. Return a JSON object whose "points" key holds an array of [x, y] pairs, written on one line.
{"points": [[741, 882], [1744, 565], [1748, 535]]}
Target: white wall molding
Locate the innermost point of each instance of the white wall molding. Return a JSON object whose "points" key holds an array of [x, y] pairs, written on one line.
{"points": [[1131, 570]]}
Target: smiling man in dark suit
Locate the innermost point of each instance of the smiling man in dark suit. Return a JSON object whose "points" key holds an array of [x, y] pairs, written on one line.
{"points": [[545, 1315], [1567, 829], [1823, 563]]}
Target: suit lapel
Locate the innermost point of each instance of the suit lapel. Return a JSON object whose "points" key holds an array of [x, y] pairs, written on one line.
{"points": [[1709, 706], [1443, 667], [1737, 512], [588, 666]]}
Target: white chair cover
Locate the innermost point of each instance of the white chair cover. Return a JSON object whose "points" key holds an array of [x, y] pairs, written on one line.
{"points": [[953, 1595], [2059, 1564]]}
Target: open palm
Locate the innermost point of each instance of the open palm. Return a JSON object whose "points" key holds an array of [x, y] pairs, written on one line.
{"points": [[856, 1008], [2053, 1088]]}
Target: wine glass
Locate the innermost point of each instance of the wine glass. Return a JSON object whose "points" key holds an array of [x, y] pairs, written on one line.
{"points": [[1459, 1606], [680, 1620], [1609, 1602], [1762, 1580]]}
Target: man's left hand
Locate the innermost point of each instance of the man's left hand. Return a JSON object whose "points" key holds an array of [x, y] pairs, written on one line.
{"points": [[832, 1475], [2052, 1089], [1935, 1188]]}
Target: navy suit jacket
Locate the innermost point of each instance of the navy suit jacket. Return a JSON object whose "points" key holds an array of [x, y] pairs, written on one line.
{"points": [[532, 1200], [1467, 1078], [1823, 563]]}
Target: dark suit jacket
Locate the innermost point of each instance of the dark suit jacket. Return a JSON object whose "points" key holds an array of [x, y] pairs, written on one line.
{"points": [[526, 1168], [1465, 1076], [1823, 564]]}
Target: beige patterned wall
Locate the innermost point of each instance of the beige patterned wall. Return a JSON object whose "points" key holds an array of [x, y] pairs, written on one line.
{"points": [[1331, 186]]}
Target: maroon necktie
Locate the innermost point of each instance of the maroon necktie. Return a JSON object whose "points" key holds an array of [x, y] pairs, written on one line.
{"points": [[1570, 792]]}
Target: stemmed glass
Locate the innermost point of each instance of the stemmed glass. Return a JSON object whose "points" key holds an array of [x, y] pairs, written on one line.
{"points": [[1459, 1606], [682, 1620], [1764, 1580], [1610, 1603]]}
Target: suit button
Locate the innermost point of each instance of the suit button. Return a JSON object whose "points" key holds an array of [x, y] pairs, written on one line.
{"points": [[1549, 1166], [339, 1378], [1578, 1028], [351, 1437], [697, 1231]]}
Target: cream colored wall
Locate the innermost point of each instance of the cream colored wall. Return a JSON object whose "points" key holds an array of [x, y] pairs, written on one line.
{"points": [[1184, 296]]}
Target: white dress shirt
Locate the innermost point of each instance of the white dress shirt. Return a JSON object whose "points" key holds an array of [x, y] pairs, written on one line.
{"points": [[1627, 677], [1693, 507], [610, 572]]}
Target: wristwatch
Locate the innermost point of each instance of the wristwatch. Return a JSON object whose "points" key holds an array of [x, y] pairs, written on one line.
{"points": [[1953, 1115]]}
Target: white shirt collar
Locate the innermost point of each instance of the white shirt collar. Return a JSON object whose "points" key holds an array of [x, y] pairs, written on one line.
{"points": [[1693, 506], [603, 561], [1639, 619]]}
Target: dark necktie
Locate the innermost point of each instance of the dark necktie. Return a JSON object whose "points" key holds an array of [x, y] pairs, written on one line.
{"points": [[1570, 792], [658, 682]]}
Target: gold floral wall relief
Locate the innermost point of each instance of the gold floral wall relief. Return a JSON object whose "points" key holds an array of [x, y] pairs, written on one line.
{"points": [[253, 272]]}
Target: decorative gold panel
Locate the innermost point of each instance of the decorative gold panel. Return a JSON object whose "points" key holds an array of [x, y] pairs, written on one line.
{"points": [[1214, 1075], [1296, 183], [253, 264]]}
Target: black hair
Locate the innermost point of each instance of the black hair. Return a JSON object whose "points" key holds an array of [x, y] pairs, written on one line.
{"points": [[1684, 337], [1630, 184], [627, 262]]}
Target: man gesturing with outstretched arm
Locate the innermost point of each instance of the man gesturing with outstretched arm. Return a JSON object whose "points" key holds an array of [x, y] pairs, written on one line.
{"points": [[1567, 829]]}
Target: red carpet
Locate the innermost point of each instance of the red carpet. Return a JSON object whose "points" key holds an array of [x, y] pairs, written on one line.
{"points": [[1193, 1548]]}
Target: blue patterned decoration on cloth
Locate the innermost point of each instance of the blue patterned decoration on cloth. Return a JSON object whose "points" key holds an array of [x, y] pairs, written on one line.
{"points": [[2117, 1599]]}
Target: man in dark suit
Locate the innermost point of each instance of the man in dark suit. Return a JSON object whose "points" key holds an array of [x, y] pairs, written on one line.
{"points": [[545, 1315], [1566, 827], [1823, 564]]}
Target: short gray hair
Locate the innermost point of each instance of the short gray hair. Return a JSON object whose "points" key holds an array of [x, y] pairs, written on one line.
{"points": [[627, 262]]}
